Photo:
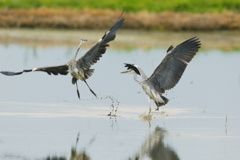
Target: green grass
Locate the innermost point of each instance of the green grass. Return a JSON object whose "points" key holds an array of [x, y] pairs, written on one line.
{"points": [[193, 6]]}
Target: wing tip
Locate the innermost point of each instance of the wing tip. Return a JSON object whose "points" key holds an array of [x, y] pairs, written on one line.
{"points": [[119, 22], [195, 40]]}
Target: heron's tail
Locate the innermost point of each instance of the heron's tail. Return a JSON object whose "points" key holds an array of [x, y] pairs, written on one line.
{"points": [[88, 73], [159, 104]]}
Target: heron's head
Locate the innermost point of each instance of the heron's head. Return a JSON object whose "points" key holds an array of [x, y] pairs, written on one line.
{"points": [[83, 40], [131, 69]]}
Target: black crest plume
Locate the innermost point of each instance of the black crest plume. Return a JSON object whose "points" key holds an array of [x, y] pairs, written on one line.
{"points": [[131, 66]]}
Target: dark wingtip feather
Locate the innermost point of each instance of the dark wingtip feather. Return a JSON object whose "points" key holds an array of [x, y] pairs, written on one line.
{"points": [[115, 27], [7, 73], [121, 15], [187, 49], [194, 41], [131, 66], [170, 48], [119, 23]]}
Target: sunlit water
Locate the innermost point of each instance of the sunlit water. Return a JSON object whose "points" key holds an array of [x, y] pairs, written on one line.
{"points": [[41, 116]]}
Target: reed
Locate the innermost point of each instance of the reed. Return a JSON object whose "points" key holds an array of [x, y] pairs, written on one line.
{"points": [[104, 18]]}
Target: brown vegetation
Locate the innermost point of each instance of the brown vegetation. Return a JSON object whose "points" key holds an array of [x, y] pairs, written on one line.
{"points": [[99, 19]]}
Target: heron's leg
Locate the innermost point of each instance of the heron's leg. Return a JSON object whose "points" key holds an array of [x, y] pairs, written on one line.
{"points": [[77, 91], [90, 88], [150, 109]]}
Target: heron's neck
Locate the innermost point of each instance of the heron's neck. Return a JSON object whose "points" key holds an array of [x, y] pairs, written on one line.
{"points": [[135, 78], [79, 46], [143, 75]]}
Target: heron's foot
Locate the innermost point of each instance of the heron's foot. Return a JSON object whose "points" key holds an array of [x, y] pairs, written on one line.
{"points": [[78, 94], [157, 109]]}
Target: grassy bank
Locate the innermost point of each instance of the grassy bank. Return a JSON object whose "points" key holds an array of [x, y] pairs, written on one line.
{"points": [[104, 19], [196, 6]]}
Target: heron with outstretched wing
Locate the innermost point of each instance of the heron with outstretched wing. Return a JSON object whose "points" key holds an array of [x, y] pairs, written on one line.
{"points": [[81, 68], [168, 73]]}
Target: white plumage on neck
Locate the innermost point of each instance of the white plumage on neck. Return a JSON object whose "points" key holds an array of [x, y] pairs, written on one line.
{"points": [[79, 46]]}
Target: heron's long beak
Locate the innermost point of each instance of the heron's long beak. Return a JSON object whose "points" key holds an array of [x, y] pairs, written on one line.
{"points": [[84, 40], [125, 72]]}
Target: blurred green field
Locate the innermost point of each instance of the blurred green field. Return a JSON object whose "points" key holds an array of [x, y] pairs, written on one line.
{"points": [[192, 6]]}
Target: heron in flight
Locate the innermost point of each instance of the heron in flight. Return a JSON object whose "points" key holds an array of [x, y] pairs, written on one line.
{"points": [[168, 73], [81, 68]]}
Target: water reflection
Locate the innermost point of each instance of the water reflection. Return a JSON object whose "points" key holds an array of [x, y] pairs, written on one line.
{"points": [[75, 154], [154, 148]]}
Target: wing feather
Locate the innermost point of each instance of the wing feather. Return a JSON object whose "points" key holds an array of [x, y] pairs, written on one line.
{"points": [[55, 70], [169, 72], [61, 69], [99, 48]]}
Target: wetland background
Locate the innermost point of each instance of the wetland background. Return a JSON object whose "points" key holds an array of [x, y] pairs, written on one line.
{"points": [[42, 118]]}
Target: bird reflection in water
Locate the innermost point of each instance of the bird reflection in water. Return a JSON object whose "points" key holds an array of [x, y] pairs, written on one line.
{"points": [[154, 148], [75, 155]]}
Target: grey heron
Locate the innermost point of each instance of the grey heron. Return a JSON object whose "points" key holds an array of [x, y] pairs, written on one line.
{"points": [[81, 68], [168, 72]]}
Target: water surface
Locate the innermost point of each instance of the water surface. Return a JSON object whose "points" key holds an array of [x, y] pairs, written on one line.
{"points": [[41, 116]]}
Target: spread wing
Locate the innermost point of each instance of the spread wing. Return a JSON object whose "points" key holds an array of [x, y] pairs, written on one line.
{"points": [[169, 72], [99, 48], [61, 69]]}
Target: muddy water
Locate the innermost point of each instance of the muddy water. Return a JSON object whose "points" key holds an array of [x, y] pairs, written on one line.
{"points": [[41, 116]]}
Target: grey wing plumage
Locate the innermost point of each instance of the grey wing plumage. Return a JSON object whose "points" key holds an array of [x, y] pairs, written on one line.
{"points": [[99, 48], [61, 69], [169, 72]]}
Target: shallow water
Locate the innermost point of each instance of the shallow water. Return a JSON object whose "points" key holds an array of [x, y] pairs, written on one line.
{"points": [[41, 116]]}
